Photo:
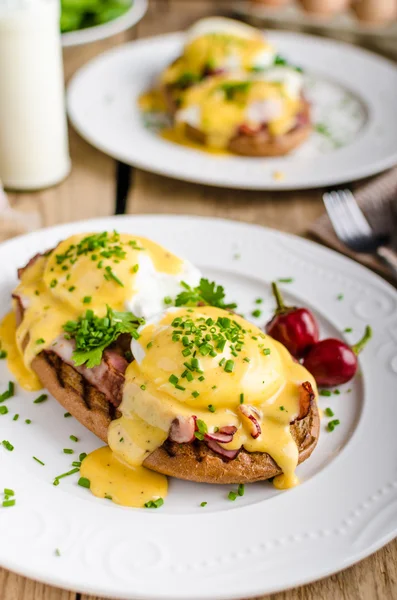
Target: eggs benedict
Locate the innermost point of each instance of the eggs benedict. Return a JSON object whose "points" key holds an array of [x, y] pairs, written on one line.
{"points": [[182, 386], [230, 91], [257, 117], [213, 46]]}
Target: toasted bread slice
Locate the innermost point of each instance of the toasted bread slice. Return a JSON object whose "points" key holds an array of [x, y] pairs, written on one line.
{"points": [[262, 143], [194, 461]]}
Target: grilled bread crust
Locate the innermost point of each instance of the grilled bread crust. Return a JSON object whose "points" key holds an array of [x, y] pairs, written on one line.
{"points": [[194, 461]]}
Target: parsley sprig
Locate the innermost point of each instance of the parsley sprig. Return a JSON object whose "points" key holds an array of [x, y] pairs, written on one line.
{"points": [[93, 334], [207, 292]]}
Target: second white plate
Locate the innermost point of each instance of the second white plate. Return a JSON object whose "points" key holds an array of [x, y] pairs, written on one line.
{"points": [[352, 92]]}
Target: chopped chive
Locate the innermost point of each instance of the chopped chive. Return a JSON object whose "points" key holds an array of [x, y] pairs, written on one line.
{"points": [[16, 417], [282, 407], [285, 280], [7, 503], [135, 268], [87, 299], [167, 300], [40, 341], [348, 330], [149, 345], [241, 398], [337, 392], [201, 378], [195, 394], [339, 297], [38, 460], [241, 489], [179, 387], [266, 351], [9, 492], [76, 463], [28, 421], [229, 366], [232, 496], [203, 504], [211, 408], [68, 451], [259, 301], [82, 456], [325, 393], [256, 313], [246, 359], [72, 288], [173, 379], [154, 503], [67, 415], [110, 275], [73, 438], [7, 445], [8, 393], [84, 482], [189, 375], [58, 477], [329, 412], [3, 410], [222, 362], [143, 387], [57, 552], [3, 354], [332, 424], [40, 399]]}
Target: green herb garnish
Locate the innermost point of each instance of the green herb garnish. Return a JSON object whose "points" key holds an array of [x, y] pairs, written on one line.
{"points": [[93, 334], [40, 399], [84, 482], [154, 503], [208, 292]]}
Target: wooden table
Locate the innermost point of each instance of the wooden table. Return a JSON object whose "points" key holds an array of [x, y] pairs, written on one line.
{"points": [[90, 191]]}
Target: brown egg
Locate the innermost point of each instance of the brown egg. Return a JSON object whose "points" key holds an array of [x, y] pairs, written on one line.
{"points": [[272, 2], [375, 11], [325, 7]]}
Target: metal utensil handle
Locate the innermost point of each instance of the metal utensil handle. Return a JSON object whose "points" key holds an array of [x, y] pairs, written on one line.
{"points": [[389, 257]]}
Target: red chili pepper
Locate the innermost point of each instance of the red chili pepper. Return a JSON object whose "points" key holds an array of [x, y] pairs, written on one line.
{"points": [[294, 327]]}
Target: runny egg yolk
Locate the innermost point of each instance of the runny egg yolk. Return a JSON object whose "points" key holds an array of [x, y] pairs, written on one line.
{"points": [[207, 362]]}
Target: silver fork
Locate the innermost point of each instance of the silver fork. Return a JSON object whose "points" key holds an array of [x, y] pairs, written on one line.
{"points": [[353, 229]]}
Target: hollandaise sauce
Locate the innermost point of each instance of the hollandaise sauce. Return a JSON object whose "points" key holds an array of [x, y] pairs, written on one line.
{"points": [[124, 484], [26, 378], [208, 363], [84, 272]]}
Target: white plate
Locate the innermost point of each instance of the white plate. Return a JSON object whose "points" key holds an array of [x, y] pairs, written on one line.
{"points": [[101, 32], [353, 94], [345, 508]]}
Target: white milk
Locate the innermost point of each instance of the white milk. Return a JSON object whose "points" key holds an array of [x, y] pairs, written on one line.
{"points": [[33, 133]]}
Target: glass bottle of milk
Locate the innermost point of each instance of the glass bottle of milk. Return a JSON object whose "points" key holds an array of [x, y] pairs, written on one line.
{"points": [[33, 133]]}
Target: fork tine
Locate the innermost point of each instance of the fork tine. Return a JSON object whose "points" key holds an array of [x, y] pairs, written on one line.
{"points": [[337, 215], [355, 213]]}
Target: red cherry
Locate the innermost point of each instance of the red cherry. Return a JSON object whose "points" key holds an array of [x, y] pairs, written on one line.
{"points": [[332, 362], [294, 327]]}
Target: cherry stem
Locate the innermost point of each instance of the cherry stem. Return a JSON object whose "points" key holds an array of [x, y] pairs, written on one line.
{"points": [[278, 297], [361, 343]]}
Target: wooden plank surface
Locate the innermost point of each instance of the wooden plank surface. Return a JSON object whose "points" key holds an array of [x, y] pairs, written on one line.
{"points": [[89, 191]]}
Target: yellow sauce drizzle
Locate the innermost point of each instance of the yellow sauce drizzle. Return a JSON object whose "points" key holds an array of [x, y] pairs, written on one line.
{"points": [[123, 484], [26, 378]]}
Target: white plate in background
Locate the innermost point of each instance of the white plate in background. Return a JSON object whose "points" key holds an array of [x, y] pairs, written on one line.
{"points": [[353, 94], [265, 541]]}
